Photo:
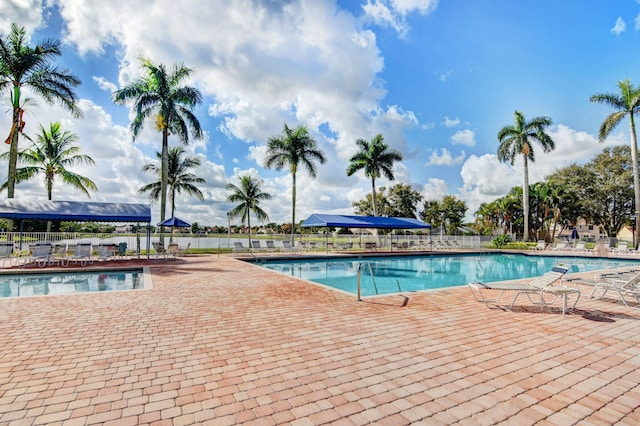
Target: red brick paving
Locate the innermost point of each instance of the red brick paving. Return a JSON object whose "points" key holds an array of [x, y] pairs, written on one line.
{"points": [[218, 341]]}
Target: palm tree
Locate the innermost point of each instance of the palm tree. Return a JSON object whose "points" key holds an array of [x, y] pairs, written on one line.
{"points": [[293, 147], [161, 94], [517, 139], [178, 176], [627, 102], [21, 66], [375, 158], [50, 155], [248, 196]]}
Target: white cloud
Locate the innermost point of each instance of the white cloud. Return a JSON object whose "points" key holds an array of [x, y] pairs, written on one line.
{"points": [[434, 189], [464, 137], [619, 27], [445, 75], [392, 13], [448, 122], [27, 13], [445, 159], [105, 85]]}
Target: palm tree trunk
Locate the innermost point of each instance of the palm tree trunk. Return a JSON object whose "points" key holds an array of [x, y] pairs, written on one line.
{"points": [[636, 179], [249, 226], [293, 207], [373, 196], [525, 199], [13, 150], [163, 179]]}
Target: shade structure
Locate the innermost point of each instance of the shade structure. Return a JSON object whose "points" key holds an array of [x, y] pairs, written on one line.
{"points": [[175, 222], [372, 222], [74, 211]]}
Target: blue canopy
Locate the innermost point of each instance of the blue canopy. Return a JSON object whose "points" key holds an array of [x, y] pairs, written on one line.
{"points": [[373, 222], [74, 211], [176, 222]]}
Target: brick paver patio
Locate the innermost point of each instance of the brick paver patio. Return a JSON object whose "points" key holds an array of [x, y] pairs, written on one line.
{"points": [[218, 341]]}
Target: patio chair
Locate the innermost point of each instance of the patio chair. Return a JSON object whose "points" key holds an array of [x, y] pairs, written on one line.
{"points": [[580, 247], [83, 254], [271, 245], [624, 284], [548, 283], [105, 251], [286, 244], [238, 247], [255, 245], [161, 251], [560, 246], [6, 252], [40, 254]]}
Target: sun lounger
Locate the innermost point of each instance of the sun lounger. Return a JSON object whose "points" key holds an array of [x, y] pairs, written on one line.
{"points": [[6, 252], [238, 247], [83, 254], [40, 254], [624, 285], [541, 245], [535, 289], [271, 246]]}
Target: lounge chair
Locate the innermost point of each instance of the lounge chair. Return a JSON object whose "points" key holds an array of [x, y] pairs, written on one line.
{"points": [[271, 246], [286, 244], [238, 247], [580, 247], [6, 252], [549, 283], [255, 245], [105, 251], [83, 253], [160, 249], [40, 255], [625, 284], [560, 246]]}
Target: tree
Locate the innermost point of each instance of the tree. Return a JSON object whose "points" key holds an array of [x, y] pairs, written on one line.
{"points": [[50, 155], [627, 102], [292, 148], [179, 178], [517, 140], [447, 213], [403, 200], [161, 94], [22, 65], [248, 196], [376, 159]]}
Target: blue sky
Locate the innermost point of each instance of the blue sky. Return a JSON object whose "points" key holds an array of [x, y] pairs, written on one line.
{"points": [[437, 78]]}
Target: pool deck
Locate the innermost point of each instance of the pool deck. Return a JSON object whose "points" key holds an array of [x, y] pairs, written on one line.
{"points": [[220, 341]]}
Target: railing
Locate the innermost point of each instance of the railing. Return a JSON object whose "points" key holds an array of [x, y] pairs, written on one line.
{"points": [[373, 279]]}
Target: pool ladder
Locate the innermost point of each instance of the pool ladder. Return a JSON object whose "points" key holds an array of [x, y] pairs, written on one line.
{"points": [[373, 278]]}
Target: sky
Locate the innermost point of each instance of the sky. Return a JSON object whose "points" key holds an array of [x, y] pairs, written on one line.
{"points": [[438, 79]]}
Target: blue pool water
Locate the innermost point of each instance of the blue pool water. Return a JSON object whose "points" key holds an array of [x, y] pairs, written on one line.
{"points": [[64, 283], [413, 273]]}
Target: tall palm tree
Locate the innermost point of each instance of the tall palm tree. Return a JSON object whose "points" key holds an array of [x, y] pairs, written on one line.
{"points": [[517, 140], [292, 147], [248, 196], [50, 155], [161, 94], [627, 102], [22, 65], [376, 159], [179, 177]]}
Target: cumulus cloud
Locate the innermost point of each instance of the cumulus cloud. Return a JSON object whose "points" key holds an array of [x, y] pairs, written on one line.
{"points": [[434, 189], [451, 122], [105, 85], [392, 13], [445, 158], [28, 13], [464, 137], [619, 27]]}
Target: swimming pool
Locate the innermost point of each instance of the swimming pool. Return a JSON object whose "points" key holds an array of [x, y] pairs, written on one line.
{"points": [[394, 274], [20, 285]]}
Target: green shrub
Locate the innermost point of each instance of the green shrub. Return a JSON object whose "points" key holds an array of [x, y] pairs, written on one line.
{"points": [[501, 241]]}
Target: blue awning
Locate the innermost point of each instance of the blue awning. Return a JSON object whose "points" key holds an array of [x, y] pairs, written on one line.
{"points": [[74, 211], [373, 222]]}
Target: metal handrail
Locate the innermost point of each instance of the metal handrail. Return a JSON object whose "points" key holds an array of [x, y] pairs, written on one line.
{"points": [[373, 279]]}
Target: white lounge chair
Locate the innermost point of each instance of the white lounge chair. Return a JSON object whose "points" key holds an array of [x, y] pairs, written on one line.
{"points": [[83, 254], [6, 252], [541, 245], [549, 283], [626, 284], [40, 254]]}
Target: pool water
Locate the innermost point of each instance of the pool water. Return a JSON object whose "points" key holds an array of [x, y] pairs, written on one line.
{"points": [[65, 283], [414, 273]]}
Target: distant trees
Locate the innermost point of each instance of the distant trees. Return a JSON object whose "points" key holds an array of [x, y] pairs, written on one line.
{"points": [[517, 139], [447, 213], [400, 201]]}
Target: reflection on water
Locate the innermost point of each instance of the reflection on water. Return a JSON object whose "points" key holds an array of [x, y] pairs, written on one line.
{"points": [[66, 283], [413, 273]]}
